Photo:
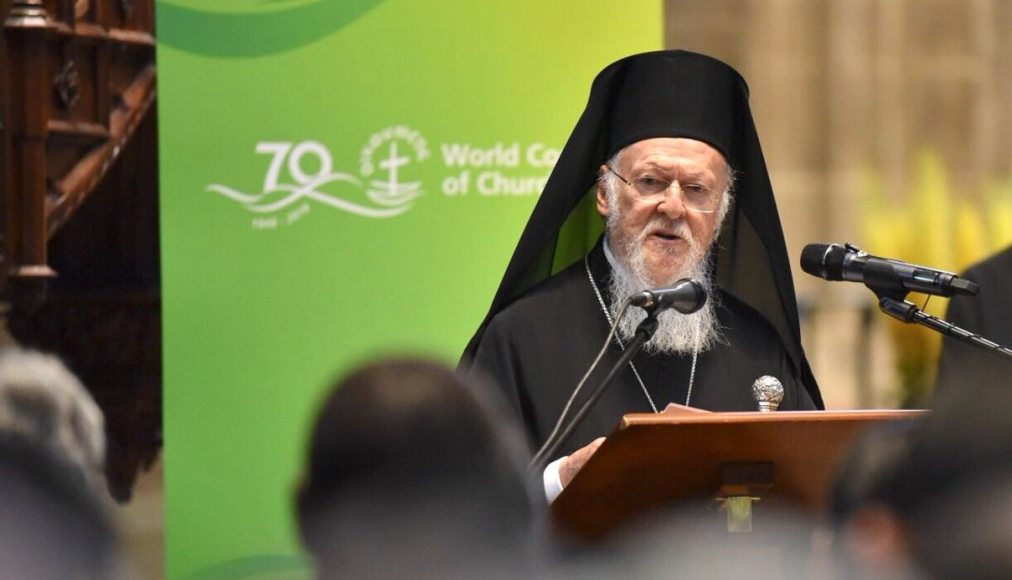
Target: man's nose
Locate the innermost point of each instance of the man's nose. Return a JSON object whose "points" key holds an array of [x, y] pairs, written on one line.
{"points": [[673, 204]]}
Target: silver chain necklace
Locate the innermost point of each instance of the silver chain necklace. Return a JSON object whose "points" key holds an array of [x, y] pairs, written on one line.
{"points": [[636, 373]]}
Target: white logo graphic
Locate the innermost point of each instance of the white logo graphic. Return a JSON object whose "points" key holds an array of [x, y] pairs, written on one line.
{"points": [[300, 175], [384, 197]]}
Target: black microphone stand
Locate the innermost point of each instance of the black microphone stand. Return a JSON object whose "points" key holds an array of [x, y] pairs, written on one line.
{"points": [[892, 300], [644, 332], [907, 312]]}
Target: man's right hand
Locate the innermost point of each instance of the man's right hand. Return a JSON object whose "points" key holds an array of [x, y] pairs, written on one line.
{"points": [[572, 464]]}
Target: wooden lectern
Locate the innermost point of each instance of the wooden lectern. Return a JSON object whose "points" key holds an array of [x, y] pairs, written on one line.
{"points": [[653, 460]]}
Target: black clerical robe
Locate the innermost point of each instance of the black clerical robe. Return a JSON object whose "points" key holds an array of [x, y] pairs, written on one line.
{"points": [[964, 368], [539, 347]]}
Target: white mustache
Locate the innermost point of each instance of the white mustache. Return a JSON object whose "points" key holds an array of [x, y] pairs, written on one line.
{"points": [[674, 227]]}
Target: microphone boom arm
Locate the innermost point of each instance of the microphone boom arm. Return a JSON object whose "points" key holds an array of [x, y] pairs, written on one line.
{"points": [[906, 312]]}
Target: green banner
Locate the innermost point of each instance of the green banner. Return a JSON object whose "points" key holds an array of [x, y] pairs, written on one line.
{"points": [[340, 180]]}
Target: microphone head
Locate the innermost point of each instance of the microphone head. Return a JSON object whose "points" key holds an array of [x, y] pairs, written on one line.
{"points": [[686, 296], [823, 260]]}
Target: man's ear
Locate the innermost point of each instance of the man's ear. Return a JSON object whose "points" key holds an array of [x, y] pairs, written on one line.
{"points": [[602, 194]]}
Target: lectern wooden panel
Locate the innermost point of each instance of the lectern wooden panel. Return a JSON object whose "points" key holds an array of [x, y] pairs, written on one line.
{"points": [[652, 460]]}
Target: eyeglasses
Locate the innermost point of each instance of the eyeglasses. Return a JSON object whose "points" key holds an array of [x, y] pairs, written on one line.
{"points": [[695, 196]]}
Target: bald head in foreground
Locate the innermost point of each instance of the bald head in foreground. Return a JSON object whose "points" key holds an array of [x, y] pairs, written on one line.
{"points": [[411, 473]]}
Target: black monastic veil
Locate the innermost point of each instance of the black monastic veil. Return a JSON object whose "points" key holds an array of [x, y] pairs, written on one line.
{"points": [[665, 94]]}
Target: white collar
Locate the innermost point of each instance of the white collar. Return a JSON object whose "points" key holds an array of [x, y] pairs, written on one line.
{"points": [[607, 253]]}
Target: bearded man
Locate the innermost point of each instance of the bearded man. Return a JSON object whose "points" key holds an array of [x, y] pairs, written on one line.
{"points": [[667, 153]]}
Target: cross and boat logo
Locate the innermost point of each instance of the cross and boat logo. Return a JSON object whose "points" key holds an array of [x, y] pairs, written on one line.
{"points": [[378, 191]]}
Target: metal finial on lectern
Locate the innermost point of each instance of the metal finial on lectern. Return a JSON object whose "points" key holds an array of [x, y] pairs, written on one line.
{"points": [[768, 393]]}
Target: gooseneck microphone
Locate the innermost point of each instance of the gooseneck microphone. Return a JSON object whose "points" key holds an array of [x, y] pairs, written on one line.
{"points": [[836, 262], [686, 296]]}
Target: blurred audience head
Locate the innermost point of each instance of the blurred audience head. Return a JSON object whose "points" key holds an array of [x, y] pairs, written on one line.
{"points": [[43, 402], [51, 526], [690, 540], [412, 473], [870, 537], [941, 503], [953, 488]]}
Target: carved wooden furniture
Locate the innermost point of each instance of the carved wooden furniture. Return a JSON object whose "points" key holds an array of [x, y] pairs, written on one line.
{"points": [[78, 77], [79, 268]]}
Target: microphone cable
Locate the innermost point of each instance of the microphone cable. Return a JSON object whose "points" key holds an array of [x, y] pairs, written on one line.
{"points": [[600, 355]]}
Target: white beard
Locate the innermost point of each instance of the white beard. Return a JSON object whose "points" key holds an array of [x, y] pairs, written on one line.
{"points": [[677, 333]]}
